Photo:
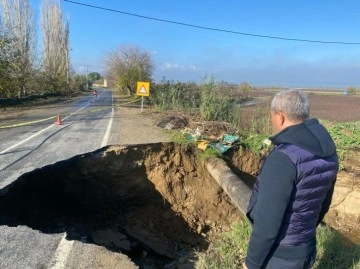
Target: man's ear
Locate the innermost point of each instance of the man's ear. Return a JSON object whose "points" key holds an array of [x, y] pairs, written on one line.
{"points": [[282, 118]]}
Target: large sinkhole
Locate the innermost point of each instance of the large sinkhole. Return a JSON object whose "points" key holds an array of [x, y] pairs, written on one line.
{"points": [[155, 199]]}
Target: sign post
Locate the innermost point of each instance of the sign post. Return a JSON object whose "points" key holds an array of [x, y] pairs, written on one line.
{"points": [[142, 89]]}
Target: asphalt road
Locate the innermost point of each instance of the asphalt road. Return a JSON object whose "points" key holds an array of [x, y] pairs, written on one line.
{"points": [[86, 126]]}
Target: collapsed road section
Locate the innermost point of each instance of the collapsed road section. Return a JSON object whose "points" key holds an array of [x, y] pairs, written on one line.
{"points": [[156, 203]]}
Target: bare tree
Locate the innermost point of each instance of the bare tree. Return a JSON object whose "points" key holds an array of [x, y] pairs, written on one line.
{"points": [[55, 29], [18, 31], [127, 65]]}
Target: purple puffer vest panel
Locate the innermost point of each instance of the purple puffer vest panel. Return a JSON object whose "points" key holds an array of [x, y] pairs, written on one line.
{"points": [[315, 177]]}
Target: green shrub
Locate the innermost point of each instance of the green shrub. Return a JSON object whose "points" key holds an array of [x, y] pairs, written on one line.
{"points": [[346, 134], [215, 106], [245, 89], [175, 96], [254, 120]]}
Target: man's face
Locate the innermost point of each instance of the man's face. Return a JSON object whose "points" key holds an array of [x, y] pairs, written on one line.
{"points": [[276, 120]]}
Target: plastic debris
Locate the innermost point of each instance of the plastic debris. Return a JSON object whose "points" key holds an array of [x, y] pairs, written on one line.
{"points": [[220, 144]]}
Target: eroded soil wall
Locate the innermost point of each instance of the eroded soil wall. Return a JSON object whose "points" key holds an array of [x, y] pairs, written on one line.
{"points": [[154, 199]]}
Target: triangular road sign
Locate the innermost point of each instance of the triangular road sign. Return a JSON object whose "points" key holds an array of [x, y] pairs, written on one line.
{"points": [[143, 89]]}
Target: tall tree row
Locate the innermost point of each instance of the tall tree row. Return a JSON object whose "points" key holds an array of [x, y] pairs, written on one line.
{"points": [[55, 31], [17, 47], [22, 72]]}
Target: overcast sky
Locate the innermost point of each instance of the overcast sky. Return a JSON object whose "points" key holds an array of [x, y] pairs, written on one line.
{"points": [[183, 53]]}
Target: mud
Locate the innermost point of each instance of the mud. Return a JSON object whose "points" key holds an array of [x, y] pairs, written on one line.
{"points": [[156, 203]]}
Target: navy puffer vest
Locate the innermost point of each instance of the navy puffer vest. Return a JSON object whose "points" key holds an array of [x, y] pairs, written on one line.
{"points": [[315, 176]]}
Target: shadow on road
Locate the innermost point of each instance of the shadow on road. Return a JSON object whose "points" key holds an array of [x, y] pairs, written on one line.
{"points": [[104, 202]]}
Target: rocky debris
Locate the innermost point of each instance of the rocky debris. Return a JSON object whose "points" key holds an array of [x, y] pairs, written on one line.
{"points": [[173, 122], [214, 128], [161, 246], [111, 238]]}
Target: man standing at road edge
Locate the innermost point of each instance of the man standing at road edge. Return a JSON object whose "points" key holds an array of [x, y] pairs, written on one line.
{"points": [[294, 188]]}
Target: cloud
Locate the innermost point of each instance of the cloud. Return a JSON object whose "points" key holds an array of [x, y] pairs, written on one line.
{"points": [[194, 68], [169, 67], [180, 68]]}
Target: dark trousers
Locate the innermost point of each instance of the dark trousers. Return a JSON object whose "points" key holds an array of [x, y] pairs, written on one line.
{"points": [[280, 263]]}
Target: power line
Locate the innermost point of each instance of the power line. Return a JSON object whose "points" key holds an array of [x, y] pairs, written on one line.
{"points": [[214, 29]]}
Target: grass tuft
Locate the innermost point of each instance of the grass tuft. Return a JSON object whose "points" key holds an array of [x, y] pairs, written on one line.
{"points": [[229, 250]]}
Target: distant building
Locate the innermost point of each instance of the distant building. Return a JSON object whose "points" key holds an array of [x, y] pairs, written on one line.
{"points": [[101, 83]]}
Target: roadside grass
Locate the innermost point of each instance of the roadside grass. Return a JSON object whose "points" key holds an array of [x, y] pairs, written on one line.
{"points": [[178, 137], [255, 142], [334, 251], [208, 154], [228, 251]]}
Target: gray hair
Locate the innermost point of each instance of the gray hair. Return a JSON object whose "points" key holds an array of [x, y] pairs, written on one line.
{"points": [[293, 103]]}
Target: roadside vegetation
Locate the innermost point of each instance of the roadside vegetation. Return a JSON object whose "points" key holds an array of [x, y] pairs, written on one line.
{"points": [[228, 251], [213, 101], [247, 110]]}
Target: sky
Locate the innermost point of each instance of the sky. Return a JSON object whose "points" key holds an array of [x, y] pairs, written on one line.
{"points": [[191, 54]]}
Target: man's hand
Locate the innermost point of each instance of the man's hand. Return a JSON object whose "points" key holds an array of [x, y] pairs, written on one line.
{"points": [[244, 266]]}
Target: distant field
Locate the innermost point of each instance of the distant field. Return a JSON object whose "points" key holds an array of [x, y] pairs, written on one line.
{"points": [[337, 108], [331, 105]]}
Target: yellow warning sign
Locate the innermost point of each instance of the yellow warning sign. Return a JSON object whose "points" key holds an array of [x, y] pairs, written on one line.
{"points": [[143, 88]]}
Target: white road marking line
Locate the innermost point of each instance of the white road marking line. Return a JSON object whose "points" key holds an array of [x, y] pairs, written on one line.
{"points": [[25, 140], [61, 254], [72, 114], [38, 133], [108, 129]]}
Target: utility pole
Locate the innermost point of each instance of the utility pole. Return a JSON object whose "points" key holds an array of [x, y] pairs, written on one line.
{"points": [[87, 76], [67, 65], [142, 97]]}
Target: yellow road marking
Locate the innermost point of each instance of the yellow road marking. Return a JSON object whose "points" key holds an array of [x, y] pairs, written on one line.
{"points": [[66, 115]]}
